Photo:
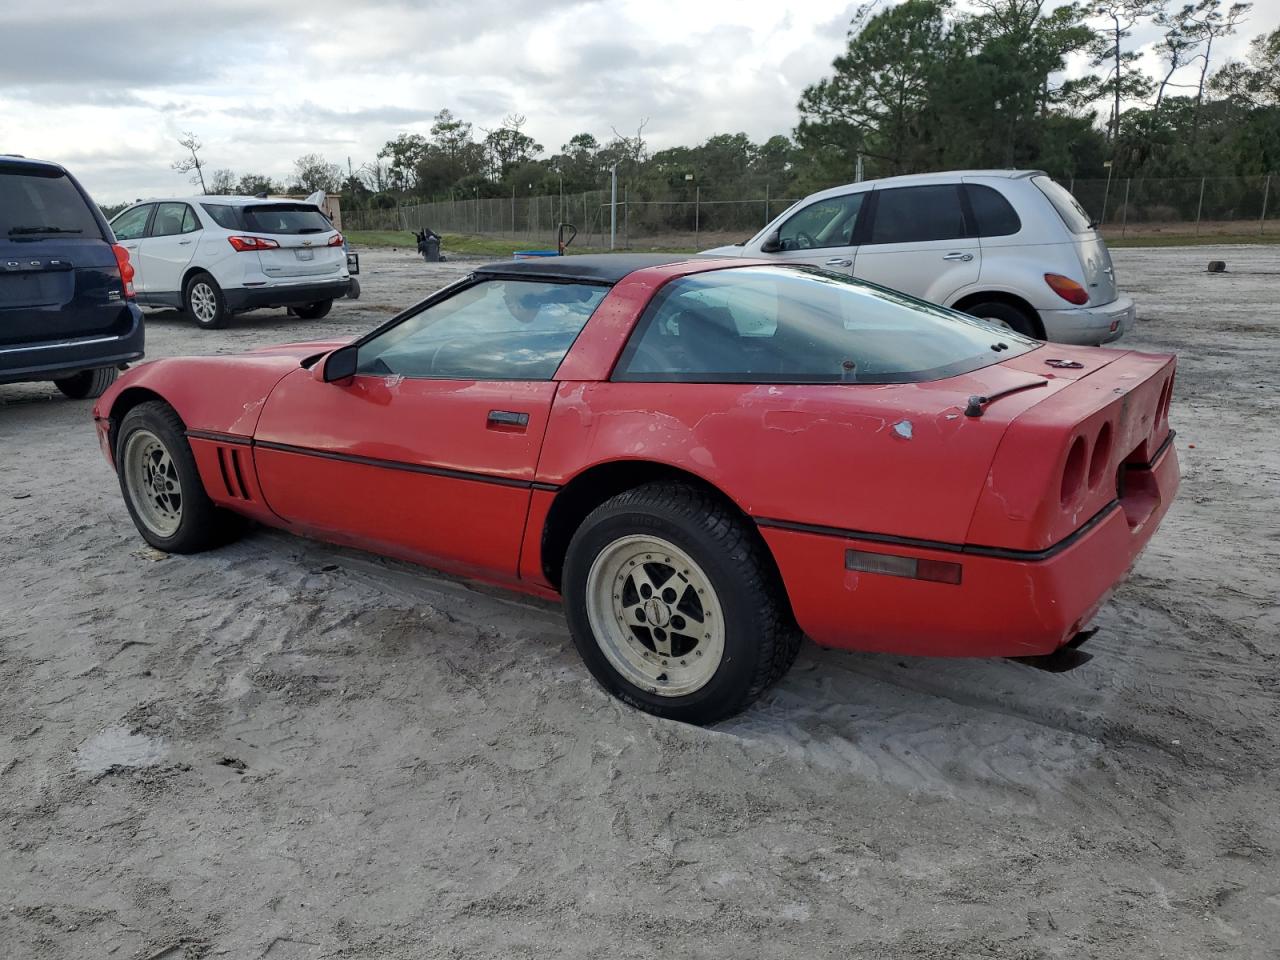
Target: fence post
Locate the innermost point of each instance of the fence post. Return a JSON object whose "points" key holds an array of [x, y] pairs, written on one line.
{"points": [[766, 204], [1266, 193], [1200, 206], [1124, 220], [697, 207], [626, 218]]}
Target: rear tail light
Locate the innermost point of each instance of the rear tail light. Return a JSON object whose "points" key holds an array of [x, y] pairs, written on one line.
{"points": [[937, 571], [1067, 289], [335, 240], [126, 269], [245, 244]]}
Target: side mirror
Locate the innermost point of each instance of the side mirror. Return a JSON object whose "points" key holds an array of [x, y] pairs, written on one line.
{"points": [[339, 365], [771, 243]]}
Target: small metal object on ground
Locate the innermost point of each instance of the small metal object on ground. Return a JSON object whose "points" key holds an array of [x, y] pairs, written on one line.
{"points": [[1217, 266]]}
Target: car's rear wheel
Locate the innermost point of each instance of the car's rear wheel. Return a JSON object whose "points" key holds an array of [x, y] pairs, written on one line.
{"points": [[1007, 315], [313, 311], [87, 383], [205, 303], [162, 487], [674, 604]]}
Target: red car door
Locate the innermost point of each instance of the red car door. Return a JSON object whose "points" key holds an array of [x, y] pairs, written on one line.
{"points": [[430, 450]]}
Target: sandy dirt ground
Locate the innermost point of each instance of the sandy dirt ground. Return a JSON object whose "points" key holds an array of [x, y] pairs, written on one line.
{"points": [[283, 749]]}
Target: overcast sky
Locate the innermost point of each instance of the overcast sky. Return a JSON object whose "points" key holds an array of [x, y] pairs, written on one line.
{"points": [[106, 88]]}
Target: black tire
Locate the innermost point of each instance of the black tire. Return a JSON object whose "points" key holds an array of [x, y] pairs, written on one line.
{"points": [[760, 638], [1017, 320], [353, 291], [87, 383], [211, 311], [203, 525], [313, 311]]}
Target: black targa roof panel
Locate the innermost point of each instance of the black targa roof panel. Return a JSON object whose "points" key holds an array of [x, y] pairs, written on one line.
{"points": [[591, 268]]}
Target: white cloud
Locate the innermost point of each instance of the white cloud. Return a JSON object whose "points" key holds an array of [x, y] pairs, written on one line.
{"points": [[107, 90]]}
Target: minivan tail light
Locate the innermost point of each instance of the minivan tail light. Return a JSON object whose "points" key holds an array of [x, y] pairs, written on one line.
{"points": [[244, 244], [335, 240], [126, 269], [1067, 289]]}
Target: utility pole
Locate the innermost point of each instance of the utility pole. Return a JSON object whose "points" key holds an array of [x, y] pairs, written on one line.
{"points": [[613, 205]]}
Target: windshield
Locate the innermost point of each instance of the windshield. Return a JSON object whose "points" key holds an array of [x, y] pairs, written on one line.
{"points": [[36, 203], [286, 218], [1073, 215], [803, 325]]}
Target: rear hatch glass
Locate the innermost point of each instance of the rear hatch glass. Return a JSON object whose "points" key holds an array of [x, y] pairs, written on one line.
{"points": [[37, 202], [286, 219], [1073, 215]]}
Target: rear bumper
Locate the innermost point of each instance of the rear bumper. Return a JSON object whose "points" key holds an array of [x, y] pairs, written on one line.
{"points": [[285, 294], [60, 358], [1008, 603], [1090, 326]]}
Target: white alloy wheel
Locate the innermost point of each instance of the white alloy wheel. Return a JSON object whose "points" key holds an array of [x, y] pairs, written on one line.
{"points": [[151, 479], [655, 615]]}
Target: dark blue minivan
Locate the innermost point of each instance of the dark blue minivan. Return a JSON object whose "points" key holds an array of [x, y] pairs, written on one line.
{"points": [[67, 312]]}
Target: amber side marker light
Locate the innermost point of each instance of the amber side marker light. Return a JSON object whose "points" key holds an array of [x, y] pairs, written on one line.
{"points": [[936, 571], [1067, 289]]}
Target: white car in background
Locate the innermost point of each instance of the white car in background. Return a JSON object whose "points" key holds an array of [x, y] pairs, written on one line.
{"points": [[1011, 246], [212, 256]]}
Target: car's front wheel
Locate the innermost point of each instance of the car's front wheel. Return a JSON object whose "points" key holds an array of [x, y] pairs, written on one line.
{"points": [[87, 383], [162, 487], [205, 303], [674, 604], [313, 311]]}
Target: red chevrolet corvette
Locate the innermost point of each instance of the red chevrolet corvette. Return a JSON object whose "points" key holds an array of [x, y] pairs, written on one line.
{"points": [[705, 458]]}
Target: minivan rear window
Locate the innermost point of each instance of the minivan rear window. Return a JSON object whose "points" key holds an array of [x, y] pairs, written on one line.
{"points": [[36, 204], [1068, 207], [287, 218]]}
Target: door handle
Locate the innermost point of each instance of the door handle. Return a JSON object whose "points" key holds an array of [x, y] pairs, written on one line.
{"points": [[839, 262], [507, 420], [965, 257], [183, 243]]}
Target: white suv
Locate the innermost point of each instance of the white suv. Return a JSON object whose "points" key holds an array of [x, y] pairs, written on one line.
{"points": [[212, 256], [1011, 246]]}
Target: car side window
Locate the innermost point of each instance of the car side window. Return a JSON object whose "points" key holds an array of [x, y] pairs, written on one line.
{"points": [[168, 221], [918, 214], [190, 222], [501, 329], [224, 215], [993, 213], [825, 223], [131, 224]]}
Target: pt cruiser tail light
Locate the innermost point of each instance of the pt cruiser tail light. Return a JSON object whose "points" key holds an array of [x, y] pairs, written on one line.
{"points": [[1067, 289]]}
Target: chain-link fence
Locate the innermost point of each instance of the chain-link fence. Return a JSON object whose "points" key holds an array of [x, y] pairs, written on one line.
{"points": [[1125, 207]]}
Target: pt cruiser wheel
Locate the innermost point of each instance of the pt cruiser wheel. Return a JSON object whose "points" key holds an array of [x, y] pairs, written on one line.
{"points": [[675, 605], [162, 486]]}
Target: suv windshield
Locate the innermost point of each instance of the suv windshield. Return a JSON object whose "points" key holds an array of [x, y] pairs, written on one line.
{"points": [[287, 218], [803, 325], [38, 202], [1068, 207]]}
